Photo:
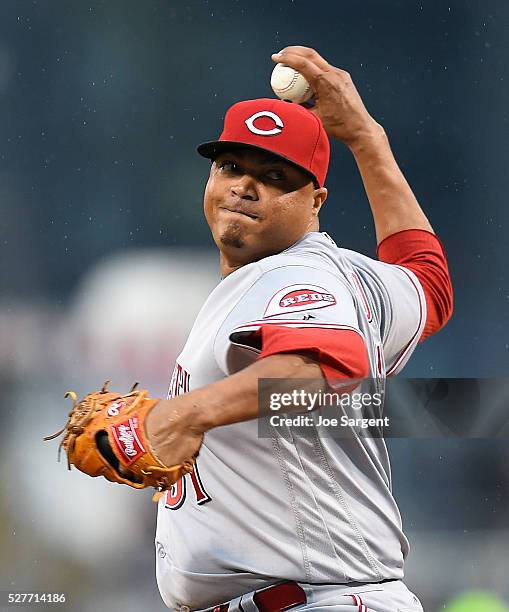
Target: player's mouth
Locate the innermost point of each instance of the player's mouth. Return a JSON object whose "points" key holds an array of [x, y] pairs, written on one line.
{"points": [[240, 212]]}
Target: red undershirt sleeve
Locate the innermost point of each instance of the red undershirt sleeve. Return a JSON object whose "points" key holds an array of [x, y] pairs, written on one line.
{"points": [[341, 353], [422, 252]]}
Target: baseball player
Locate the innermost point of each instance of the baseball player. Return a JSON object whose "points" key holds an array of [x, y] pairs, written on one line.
{"points": [[284, 521]]}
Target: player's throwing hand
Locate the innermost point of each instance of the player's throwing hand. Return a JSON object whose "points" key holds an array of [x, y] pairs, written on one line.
{"points": [[337, 101]]}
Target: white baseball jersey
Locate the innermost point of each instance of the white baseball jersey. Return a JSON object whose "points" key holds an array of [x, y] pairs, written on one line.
{"points": [[312, 509]]}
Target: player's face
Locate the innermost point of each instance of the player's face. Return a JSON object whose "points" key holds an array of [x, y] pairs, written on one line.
{"points": [[257, 204]]}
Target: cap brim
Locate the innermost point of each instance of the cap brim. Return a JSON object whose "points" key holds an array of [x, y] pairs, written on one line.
{"points": [[214, 148]]}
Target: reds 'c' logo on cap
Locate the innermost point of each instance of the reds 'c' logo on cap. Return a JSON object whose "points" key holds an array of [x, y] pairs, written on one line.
{"points": [[288, 130], [275, 130]]}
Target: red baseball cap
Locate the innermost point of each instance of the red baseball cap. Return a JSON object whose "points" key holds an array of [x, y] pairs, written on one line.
{"points": [[282, 128]]}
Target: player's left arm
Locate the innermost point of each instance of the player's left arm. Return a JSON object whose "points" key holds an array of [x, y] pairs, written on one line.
{"points": [[315, 341], [175, 426]]}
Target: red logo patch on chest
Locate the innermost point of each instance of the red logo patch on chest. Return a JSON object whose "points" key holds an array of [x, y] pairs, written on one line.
{"points": [[299, 297]]}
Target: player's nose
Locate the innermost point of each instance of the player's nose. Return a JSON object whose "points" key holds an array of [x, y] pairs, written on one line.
{"points": [[244, 187]]}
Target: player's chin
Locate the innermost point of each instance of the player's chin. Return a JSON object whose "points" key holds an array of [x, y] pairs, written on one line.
{"points": [[228, 241], [233, 234]]}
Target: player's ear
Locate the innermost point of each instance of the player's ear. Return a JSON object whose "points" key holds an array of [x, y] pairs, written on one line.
{"points": [[319, 197]]}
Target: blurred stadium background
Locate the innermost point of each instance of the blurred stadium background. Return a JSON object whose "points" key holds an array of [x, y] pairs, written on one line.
{"points": [[106, 258]]}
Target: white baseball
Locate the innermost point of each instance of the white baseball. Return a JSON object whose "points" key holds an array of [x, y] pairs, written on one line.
{"points": [[288, 84]]}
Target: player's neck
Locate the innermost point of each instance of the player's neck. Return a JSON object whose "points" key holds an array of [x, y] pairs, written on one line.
{"points": [[229, 262], [226, 267]]}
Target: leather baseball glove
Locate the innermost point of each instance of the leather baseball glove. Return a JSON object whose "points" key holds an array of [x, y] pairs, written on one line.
{"points": [[105, 436]]}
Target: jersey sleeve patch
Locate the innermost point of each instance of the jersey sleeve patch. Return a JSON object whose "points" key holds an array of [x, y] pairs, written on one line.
{"points": [[295, 298]]}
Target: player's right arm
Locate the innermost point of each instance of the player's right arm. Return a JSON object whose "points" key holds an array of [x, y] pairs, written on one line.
{"points": [[404, 234], [344, 116]]}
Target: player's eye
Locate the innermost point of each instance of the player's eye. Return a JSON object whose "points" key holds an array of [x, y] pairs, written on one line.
{"points": [[276, 175], [228, 166]]}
